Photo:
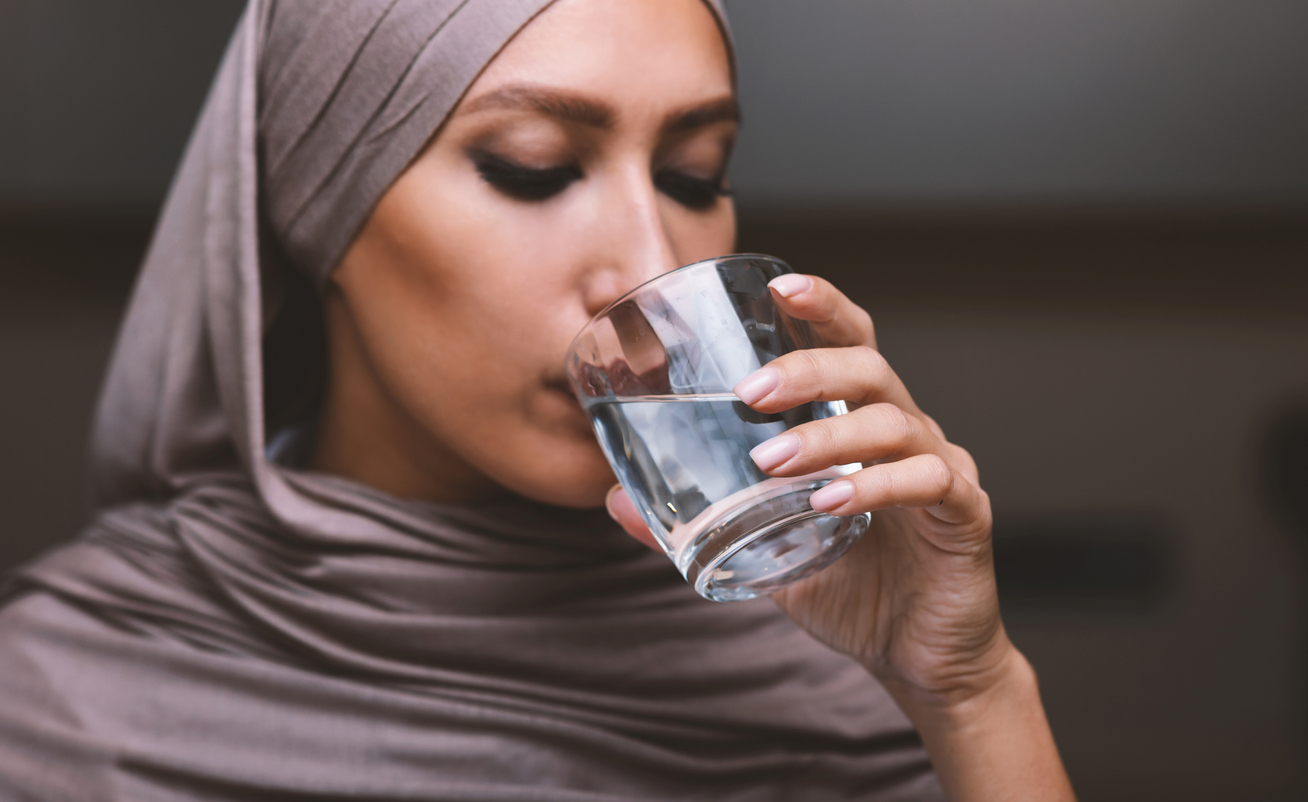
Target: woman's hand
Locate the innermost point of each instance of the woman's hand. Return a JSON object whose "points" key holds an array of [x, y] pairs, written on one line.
{"points": [[914, 600]]}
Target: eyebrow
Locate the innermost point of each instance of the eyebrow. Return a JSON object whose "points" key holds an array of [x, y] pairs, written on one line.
{"points": [[714, 111], [562, 105], [576, 108]]}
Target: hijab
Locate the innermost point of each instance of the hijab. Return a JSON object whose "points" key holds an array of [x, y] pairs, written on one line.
{"points": [[232, 626]]}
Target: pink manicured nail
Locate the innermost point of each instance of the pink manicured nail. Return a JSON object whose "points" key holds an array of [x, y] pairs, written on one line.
{"points": [[756, 385], [608, 501], [831, 496], [770, 454], [791, 284]]}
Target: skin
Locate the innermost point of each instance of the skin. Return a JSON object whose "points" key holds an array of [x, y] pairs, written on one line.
{"points": [[449, 315]]}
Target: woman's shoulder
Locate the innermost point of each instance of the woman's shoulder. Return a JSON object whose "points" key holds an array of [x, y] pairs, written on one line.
{"points": [[46, 751]]}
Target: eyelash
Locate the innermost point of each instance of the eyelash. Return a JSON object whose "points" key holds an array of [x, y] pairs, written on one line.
{"points": [[524, 183], [534, 184], [694, 193]]}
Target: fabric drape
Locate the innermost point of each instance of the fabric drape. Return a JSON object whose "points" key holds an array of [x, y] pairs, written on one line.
{"points": [[233, 627]]}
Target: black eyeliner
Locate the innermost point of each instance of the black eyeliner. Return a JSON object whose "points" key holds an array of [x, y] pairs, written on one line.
{"points": [[694, 193], [519, 181]]}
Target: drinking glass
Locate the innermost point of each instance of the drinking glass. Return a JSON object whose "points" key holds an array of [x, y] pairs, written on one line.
{"points": [[654, 371]]}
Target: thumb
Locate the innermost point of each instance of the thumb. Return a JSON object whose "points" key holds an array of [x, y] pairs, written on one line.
{"points": [[622, 510]]}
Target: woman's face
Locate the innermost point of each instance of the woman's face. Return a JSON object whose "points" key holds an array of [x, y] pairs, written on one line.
{"points": [[589, 157]]}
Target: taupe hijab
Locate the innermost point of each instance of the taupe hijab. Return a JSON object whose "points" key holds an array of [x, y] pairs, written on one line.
{"points": [[233, 627]]}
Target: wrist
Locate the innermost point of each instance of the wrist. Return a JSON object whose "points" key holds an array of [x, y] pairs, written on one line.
{"points": [[962, 685], [1006, 684], [993, 743]]}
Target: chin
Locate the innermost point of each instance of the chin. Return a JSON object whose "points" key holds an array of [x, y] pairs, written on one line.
{"points": [[565, 472]]}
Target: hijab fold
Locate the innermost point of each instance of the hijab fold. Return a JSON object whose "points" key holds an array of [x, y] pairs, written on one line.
{"points": [[233, 627]]}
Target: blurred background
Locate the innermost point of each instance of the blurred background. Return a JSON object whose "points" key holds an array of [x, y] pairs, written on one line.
{"points": [[1081, 228]]}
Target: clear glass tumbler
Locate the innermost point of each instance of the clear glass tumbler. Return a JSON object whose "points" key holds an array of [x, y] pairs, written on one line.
{"points": [[654, 371]]}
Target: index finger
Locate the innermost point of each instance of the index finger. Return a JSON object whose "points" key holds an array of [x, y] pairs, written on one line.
{"points": [[838, 320]]}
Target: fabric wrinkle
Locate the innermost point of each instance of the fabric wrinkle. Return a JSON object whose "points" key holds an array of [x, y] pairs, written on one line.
{"points": [[232, 627]]}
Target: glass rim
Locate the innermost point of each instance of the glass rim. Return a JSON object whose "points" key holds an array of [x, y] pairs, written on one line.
{"points": [[572, 346]]}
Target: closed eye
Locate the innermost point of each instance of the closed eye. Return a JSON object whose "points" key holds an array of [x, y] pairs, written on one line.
{"points": [[698, 194], [521, 182]]}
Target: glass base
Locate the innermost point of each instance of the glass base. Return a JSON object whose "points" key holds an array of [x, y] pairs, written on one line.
{"points": [[765, 542]]}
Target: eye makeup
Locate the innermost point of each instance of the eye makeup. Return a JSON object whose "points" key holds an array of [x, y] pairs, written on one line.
{"points": [[694, 193], [524, 183], [521, 182]]}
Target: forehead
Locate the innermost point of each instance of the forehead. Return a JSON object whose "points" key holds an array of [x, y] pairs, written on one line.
{"points": [[634, 55]]}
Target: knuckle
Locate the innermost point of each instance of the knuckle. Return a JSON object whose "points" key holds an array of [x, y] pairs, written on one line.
{"points": [[863, 322], [874, 363], [985, 515], [880, 376], [871, 422], [938, 474], [900, 428], [963, 458], [877, 482], [808, 373], [828, 304], [818, 437], [794, 366], [811, 361]]}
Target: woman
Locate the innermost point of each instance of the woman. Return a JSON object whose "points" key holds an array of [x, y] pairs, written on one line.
{"points": [[393, 581]]}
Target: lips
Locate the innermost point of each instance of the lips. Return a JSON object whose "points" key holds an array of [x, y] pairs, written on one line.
{"points": [[560, 385]]}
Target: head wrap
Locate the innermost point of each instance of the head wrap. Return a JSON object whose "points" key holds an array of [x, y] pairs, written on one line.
{"points": [[230, 628]]}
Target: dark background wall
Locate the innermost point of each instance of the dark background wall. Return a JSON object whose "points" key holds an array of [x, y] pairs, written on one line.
{"points": [[1082, 230], [1022, 100]]}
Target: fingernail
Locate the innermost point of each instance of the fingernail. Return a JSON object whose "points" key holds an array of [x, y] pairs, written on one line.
{"points": [[608, 501], [768, 455], [756, 385], [791, 284], [831, 496]]}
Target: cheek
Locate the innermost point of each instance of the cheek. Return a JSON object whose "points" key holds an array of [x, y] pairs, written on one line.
{"points": [[699, 235], [466, 315], [478, 287]]}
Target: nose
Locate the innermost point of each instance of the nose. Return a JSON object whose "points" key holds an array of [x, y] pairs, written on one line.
{"points": [[635, 245]]}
